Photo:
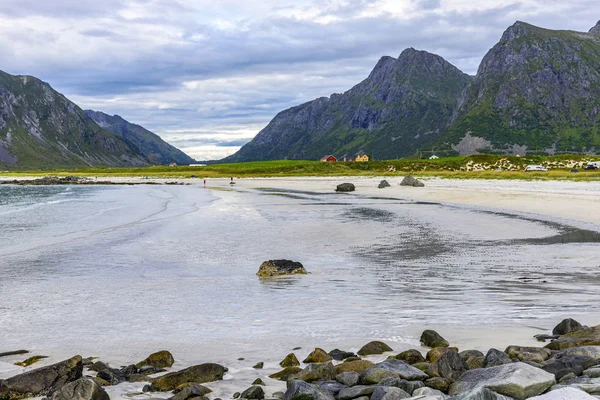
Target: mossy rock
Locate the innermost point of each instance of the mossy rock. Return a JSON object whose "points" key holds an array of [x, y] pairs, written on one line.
{"points": [[423, 366], [358, 366], [280, 267], [30, 361], [289, 361], [317, 356], [436, 353], [475, 362], [374, 347], [202, 373], [411, 356], [437, 383], [584, 337], [433, 339], [258, 381], [285, 373], [259, 365], [160, 359]]}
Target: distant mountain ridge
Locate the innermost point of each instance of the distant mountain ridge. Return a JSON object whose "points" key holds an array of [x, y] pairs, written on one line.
{"points": [[151, 145], [536, 91]]}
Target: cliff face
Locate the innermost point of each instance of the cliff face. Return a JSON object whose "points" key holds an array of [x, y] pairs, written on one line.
{"points": [[40, 128], [148, 143], [403, 104]]}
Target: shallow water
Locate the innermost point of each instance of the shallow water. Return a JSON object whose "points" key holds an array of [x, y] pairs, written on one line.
{"points": [[123, 271]]}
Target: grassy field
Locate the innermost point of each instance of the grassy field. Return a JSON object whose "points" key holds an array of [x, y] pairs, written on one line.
{"points": [[472, 167]]}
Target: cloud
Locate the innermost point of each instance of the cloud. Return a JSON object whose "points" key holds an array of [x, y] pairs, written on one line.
{"points": [[204, 67]]}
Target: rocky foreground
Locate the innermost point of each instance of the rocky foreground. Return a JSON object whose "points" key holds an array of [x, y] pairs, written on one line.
{"points": [[566, 368]]}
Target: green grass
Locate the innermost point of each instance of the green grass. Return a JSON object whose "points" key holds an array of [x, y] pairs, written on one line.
{"points": [[451, 167]]}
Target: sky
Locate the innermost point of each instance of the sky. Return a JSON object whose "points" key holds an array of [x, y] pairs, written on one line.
{"points": [[207, 76]]}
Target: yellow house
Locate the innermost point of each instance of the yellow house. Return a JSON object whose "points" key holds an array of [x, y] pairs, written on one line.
{"points": [[361, 156]]}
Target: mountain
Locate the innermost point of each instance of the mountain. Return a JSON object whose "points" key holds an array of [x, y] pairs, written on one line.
{"points": [[537, 90], [151, 145], [42, 129], [404, 104]]}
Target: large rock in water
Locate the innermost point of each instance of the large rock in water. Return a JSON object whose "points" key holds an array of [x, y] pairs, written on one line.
{"points": [[568, 325], [81, 389], [42, 381], [345, 187], [197, 374], [517, 380], [391, 368], [300, 390], [280, 267], [410, 180], [160, 359], [317, 356], [374, 347], [431, 338]]}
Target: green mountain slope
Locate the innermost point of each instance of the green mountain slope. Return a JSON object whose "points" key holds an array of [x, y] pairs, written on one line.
{"points": [[537, 90], [151, 145], [405, 103], [40, 128]]}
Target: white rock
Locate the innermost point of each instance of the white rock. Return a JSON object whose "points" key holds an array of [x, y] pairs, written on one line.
{"points": [[566, 393]]}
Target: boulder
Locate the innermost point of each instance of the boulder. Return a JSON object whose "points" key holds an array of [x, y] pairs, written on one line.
{"points": [[258, 381], [112, 376], [410, 180], [314, 372], [592, 373], [196, 374], [355, 392], [127, 371], [588, 385], [449, 366], [436, 353], [588, 351], [332, 387], [495, 357], [348, 378], [317, 356], [340, 355], [285, 373], [391, 368], [13, 353], [253, 393], [160, 359], [99, 366], [565, 393], [533, 354], [148, 370], [584, 337], [190, 392], [383, 184], [300, 390], [480, 394], [259, 365], [411, 356], [81, 389], [345, 187], [42, 381], [374, 347], [289, 361], [567, 364], [466, 354], [517, 380], [437, 383], [429, 392], [354, 366], [476, 362], [408, 386], [280, 267], [431, 338], [566, 326], [388, 393]]}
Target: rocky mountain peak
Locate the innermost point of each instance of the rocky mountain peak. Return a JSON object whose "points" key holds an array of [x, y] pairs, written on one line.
{"points": [[517, 30], [596, 29]]}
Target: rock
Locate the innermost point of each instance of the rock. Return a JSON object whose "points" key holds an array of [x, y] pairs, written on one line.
{"points": [[42, 381], [127, 371], [592, 373], [495, 357], [374, 347], [566, 326], [591, 386], [81, 389], [436, 353], [332, 387], [567, 364], [354, 358], [196, 374], [317, 356], [429, 392], [278, 395], [410, 180], [13, 353], [476, 362], [148, 370], [138, 378], [441, 384], [391, 368], [259, 365], [258, 381], [345, 187], [410, 356], [285, 374], [534, 354], [566, 393], [517, 380], [289, 361], [340, 355], [300, 390], [431, 338], [253, 393], [30, 361], [466, 354], [543, 337], [160, 359], [584, 337], [450, 366], [355, 392], [314, 372], [99, 366], [408, 386], [480, 394], [348, 378], [568, 377], [353, 366], [236, 395], [388, 393], [588, 351], [280, 267], [100, 381], [190, 392], [113, 377], [384, 184]]}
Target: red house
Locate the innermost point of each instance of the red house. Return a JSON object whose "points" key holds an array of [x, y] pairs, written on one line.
{"points": [[328, 158]]}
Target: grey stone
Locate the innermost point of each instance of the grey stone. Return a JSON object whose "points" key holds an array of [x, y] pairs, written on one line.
{"points": [[568, 364], [567, 326], [426, 391], [480, 394], [410, 180], [348, 378], [383, 184], [495, 357], [345, 187], [567, 393], [533, 354], [191, 391], [391, 368], [517, 380], [315, 372], [408, 386], [592, 372], [465, 355], [332, 387], [355, 392], [389, 393], [81, 389], [340, 355], [254, 392], [588, 351], [589, 385], [450, 366]]}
